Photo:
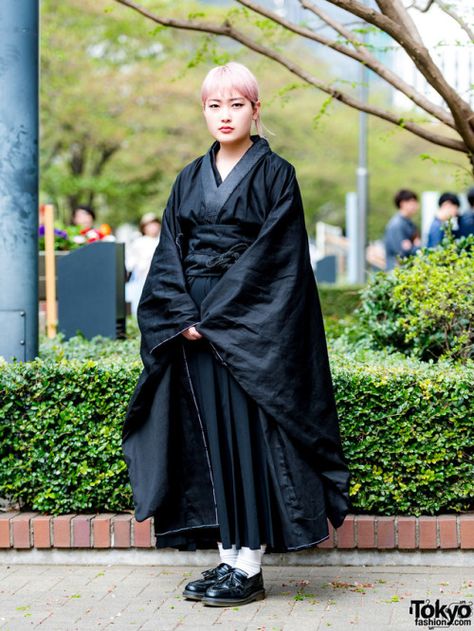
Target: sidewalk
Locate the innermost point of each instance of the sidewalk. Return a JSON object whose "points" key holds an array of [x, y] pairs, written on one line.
{"points": [[82, 598]]}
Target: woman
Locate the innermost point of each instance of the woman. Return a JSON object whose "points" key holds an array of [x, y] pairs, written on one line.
{"points": [[231, 436]]}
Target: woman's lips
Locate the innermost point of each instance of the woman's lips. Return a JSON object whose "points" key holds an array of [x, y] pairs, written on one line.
{"points": [[226, 130]]}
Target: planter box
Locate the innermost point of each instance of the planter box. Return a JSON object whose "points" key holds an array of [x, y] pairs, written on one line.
{"points": [[42, 271], [109, 530]]}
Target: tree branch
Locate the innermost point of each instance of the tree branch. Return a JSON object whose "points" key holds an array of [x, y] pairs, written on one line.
{"points": [[228, 30], [419, 54], [106, 152], [330, 21], [365, 57], [452, 14], [396, 11]]}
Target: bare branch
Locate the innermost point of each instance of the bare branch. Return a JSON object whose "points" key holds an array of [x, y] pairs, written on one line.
{"points": [[396, 11], [364, 56], [330, 21], [460, 109], [450, 11], [228, 30], [299, 30], [428, 6], [367, 14]]}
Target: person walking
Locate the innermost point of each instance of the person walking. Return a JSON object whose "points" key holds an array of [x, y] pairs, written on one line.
{"points": [[401, 237], [232, 436]]}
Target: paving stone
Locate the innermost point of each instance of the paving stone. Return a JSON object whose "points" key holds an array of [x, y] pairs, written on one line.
{"points": [[145, 599]]}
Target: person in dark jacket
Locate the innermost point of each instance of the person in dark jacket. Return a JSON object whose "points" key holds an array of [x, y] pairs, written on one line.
{"points": [[232, 435], [401, 234], [466, 220], [448, 211]]}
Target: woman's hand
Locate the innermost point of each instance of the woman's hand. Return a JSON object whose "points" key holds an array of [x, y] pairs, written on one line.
{"points": [[192, 333]]}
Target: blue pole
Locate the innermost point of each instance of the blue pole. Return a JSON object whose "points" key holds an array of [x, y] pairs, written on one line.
{"points": [[19, 81]]}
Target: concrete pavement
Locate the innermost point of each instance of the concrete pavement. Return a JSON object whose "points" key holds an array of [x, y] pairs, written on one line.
{"points": [[148, 598]]}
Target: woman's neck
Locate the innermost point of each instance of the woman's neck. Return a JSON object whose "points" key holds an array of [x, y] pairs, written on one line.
{"points": [[231, 152]]}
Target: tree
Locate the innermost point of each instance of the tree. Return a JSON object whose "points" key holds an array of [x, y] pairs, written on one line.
{"points": [[105, 123], [455, 119]]}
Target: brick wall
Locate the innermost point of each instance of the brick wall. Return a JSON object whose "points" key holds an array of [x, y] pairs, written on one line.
{"points": [[108, 530]]}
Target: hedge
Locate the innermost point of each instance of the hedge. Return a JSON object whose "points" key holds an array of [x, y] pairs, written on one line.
{"points": [[407, 430]]}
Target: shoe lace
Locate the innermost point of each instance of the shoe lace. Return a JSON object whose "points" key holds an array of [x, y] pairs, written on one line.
{"points": [[232, 579]]}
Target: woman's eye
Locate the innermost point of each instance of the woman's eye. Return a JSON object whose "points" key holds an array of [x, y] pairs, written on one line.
{"points": [[238, 104]]}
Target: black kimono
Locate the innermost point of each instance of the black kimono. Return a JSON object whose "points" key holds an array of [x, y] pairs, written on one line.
{"points": [[235, 437]]}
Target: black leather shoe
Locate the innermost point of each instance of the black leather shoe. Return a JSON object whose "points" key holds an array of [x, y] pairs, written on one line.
{"points": [[195, 589], [235, 588]]}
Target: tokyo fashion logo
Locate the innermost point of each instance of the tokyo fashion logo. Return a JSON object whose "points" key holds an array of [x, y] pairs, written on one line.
{"points": [[438, 616]]}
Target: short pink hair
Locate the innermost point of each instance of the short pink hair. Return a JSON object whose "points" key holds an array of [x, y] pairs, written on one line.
{"points": [[232, 76]]}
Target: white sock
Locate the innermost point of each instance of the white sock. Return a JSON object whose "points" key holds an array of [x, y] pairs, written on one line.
{"points": [[228, 555], [250, 561]]}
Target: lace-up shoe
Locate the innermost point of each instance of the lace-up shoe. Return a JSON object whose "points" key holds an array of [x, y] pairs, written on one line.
{"points": [[235, 588], [196, 589]]}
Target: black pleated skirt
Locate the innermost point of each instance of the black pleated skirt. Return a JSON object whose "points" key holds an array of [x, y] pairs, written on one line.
{"points": [[245, 501]]}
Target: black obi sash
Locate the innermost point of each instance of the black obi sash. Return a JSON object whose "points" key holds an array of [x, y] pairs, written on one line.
{"points": [[213, 248]]}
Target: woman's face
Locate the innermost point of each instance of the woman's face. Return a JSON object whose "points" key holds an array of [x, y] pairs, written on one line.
{"points": [[152, 229], [229, 116], [83, 218]]}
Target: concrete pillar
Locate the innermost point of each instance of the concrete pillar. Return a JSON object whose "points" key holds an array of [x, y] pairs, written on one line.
{"points": [[19, 179]]}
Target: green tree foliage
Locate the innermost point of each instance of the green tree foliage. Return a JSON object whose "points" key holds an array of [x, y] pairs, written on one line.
{"points": [[425, 307], [106, 127]]}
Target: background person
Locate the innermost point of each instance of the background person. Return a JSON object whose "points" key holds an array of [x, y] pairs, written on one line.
{"points": [[83, 216], [401, 237], [138, 256], [448, 211], [466, 220]]}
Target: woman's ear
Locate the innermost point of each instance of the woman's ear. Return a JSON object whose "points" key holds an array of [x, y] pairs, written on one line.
{"points": [[256, 109]]}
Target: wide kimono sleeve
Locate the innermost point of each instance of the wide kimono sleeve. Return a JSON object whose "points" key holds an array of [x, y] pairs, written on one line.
{"points": [[165, 309], [264, 319]]}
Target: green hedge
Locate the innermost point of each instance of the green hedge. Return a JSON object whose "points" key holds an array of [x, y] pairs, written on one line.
{"points": [[425, 307], [407, 430], [408, 433]]}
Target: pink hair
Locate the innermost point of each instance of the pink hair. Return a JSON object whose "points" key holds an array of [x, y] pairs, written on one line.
{"points": [[232, 75]]}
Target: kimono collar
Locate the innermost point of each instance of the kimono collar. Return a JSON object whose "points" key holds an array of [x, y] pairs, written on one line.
{"points": [[216, 196]]}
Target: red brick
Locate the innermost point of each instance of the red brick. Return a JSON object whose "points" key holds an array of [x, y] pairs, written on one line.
{"points": [[101, 525], [81, 531], [427, 531], [365, 531], [328, 543], [467, 531], [346, 533], [385, 532], [42, 531], [5, 519], [62, 531], [121, 531], [448, 536], [142, 533], [21, 530], [406, 533]]}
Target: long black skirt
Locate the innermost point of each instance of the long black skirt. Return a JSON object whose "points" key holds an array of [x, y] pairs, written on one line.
{"points": [[245, 500]]}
